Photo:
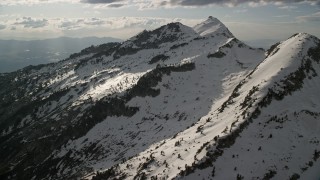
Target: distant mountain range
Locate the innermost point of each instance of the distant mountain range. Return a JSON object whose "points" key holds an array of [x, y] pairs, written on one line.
{"points": [[176, 102], [16, 54]]}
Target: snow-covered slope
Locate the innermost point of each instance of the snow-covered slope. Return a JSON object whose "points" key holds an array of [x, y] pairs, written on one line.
{"points": [[165, 103], [268, 126], [279, 106]]}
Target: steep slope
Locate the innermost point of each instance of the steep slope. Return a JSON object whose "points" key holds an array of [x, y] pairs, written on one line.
{"points": [[212, 26], [110, 102], [279, 138], [266, 128]]}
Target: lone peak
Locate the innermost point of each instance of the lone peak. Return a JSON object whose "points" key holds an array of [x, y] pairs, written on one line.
{"points": [[212, 26]]}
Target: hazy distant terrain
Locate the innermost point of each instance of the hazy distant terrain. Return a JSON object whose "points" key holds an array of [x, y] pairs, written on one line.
{"points": [[262, 43], [15, 54]]}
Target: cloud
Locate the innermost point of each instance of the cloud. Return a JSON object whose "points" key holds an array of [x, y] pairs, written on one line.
{"points": [[2, 26], [69, 25], [288, 7], [108, 6], [232, 3], [80, 23], [151, 4], [148, 4], [115, 23], [100, 1], [136, 22], [115, 5], [32, 24], [281, 16], [33, 2], [120, 27], [310, 18], [29, 22], [94, 21]]}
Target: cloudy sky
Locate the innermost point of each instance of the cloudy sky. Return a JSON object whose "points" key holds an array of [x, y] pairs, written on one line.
{"points": [[249, 20]]}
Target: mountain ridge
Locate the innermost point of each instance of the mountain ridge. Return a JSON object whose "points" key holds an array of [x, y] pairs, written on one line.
{"points": [[228, 140], [167, 103]]}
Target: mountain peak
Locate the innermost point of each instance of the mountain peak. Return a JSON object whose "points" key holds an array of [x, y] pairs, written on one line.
{"points": [[176, 27], [303, 36], [211, 18], [212, 26], [166, 33], [300, 39]]}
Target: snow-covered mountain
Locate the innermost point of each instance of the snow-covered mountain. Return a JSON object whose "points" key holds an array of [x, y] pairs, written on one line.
{"points": [[176, 102]]}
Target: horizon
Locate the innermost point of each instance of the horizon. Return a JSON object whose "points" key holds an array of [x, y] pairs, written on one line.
{"points": [[250, 21], [59, 37]]}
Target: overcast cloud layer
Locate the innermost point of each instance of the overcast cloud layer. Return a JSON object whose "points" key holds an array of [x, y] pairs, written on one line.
{"points": [[204, 2], [236, 2], [163, 3], [231, 3]]}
